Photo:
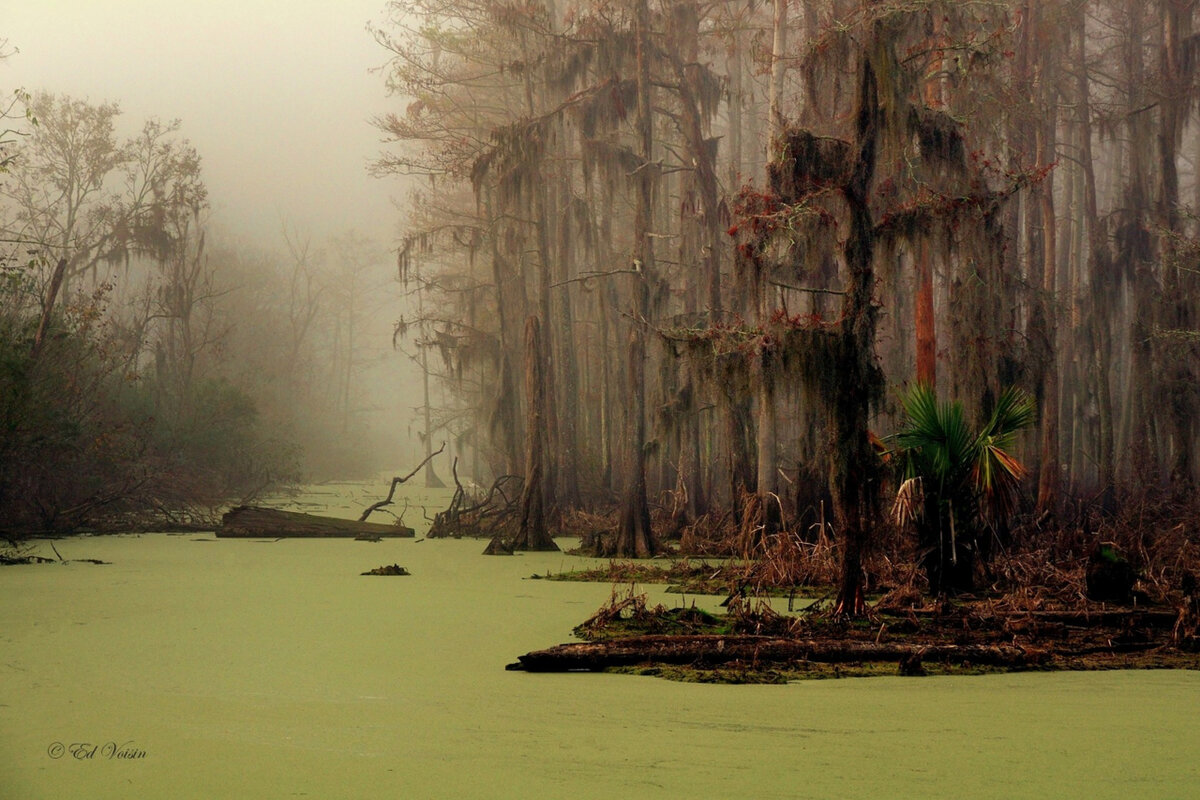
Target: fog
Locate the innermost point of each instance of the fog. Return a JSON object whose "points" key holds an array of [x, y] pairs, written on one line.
{"points": [[276, 96]]}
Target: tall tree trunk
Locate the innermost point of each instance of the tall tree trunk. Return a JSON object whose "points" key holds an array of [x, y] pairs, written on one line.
{"points": [[734, 406], [532, 531], [432, 481], [510, 307], [767, 435], [768, 457], [926, 332], [737, 102], [1178, 316], [1050, 476], [779, 23], [853, 482], [699, 208], [610, 346], [1099, 269], [544, 213], [568, 378], [634, 536], [1137, 425]]}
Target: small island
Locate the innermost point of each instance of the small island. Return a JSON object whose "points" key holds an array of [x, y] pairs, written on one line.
{"points": [[752, 643]]}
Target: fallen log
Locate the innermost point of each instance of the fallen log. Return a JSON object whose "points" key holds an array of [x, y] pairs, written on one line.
{"points": [[257, 522], [714, 650], [1096, 617], [1106, 618]]}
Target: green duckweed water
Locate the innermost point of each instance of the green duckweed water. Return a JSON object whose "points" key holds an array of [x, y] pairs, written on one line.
{"points": [[246, 669]]}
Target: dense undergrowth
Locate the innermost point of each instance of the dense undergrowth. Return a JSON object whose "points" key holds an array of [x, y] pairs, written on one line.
{"points": [[1037, 563]]}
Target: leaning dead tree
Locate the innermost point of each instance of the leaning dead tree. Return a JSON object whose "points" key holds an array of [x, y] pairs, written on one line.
{"points": [[387, 501]]}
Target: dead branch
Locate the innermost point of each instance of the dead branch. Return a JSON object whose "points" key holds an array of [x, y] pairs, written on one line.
{"points": [[396, 482]]}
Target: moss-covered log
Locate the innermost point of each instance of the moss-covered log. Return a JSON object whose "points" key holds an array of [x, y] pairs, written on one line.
{"points": [[713, 650], [257, 522]]}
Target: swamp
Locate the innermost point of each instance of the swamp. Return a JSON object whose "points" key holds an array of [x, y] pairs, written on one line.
{"points": [[427, 398], [273, 669]]}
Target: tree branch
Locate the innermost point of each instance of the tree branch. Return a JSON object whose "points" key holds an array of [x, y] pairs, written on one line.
{"points": [[396, 482]]}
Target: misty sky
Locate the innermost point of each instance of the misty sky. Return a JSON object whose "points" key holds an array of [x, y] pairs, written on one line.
{"points": [[275, 94]]}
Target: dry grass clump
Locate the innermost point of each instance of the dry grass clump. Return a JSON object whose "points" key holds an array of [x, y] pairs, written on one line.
{"points": [[1161, 536], [628, 613], [784, 559], [756, 617], [585, 524], [1046, 564]]}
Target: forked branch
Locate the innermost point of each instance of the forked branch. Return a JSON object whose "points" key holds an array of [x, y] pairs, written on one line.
{"points": [[396, 482]]}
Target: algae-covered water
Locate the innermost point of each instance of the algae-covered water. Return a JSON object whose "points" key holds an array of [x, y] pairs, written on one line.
{"points": [[199, 668]]}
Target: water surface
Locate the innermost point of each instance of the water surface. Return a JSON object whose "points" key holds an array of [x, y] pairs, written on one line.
{"points": [[247, 669]]}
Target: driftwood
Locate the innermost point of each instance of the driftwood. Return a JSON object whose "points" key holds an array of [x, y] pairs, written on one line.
{"points": [[257, 522], [713, 650], [486, 518]]}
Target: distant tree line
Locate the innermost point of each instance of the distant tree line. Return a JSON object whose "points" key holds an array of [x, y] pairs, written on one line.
{"points": [[148, 371]]}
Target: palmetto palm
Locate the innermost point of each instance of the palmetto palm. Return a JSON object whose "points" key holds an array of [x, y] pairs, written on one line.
{"points": [[956, 481]]}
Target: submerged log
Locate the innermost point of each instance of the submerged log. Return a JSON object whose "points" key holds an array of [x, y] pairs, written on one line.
{"points": [[712, 650], [257, 522]]}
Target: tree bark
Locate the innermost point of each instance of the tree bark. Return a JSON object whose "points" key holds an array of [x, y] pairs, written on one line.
{"points": [[532, 532], [1098, 268], [924, 319], [854, 466], [1178, 313], [925, 329], [634, 536], [1137, 428], [768, 457], [779, 21], [1049, 479]]}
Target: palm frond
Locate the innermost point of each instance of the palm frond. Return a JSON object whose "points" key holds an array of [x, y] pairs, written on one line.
{"points": [[1015, 410], [998, 477], [910, 502], [998, 474], [936, 436], [976, 471]]}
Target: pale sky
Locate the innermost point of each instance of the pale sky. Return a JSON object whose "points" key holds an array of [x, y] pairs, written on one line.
{"points": [[276, 96]]}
